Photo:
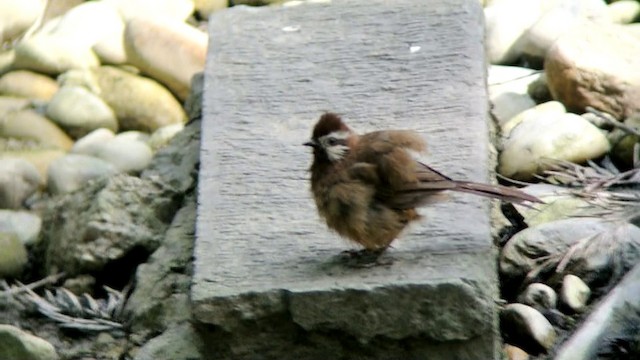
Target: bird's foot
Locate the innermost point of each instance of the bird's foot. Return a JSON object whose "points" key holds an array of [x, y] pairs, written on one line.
{"points": [[364, 258]]}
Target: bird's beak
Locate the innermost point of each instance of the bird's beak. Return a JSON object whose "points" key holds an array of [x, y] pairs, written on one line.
{"points": [[311, 143]]}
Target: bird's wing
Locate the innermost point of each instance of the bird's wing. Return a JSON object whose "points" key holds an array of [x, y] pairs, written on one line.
{"points": [[387, 160]]}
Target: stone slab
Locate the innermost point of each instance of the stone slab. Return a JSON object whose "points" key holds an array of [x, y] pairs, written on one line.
{"points": [[268, 282]]}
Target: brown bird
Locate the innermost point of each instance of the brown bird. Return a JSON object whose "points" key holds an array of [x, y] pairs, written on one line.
{"points": [[367, 187]]}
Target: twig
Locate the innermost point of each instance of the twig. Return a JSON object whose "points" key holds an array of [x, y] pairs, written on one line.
{"points": [[14, 290], [611, 120]]}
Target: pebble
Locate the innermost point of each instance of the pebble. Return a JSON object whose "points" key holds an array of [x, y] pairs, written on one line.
{"points": [[25, 225], [525, 327], [163, 135], [559, 18], [30, 125], [13, 257], [574, 293], [515, 353], [127, 155], [596, 66], [168, 9], [16, 16], [78, 111], [531, 144], [539, 296], [18, 344], [170, 51], [509, 91], [40, 158], [91, 143], [28, 84], [547, 109], [139, 103], [623, 11], [73, 171], [19, 179], [53, 55]]}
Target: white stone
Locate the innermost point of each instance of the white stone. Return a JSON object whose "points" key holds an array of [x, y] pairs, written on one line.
{"points": [[539, 296], [16, 16], [52, 54], [550, 108], [25, 225], [71, 172], [528, 323], [623, 11], [509, 90], [532, 144], [574, 293], [79, 111], [90, 143], [126, 155], [19, 179], [162, 136], [173, 9]]}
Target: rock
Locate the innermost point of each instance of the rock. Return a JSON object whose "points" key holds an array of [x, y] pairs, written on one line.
{"points": [[16, 16], [161, 297], [105, 221], [508, 91], [548, 109], [6, 60], [40, 158], [170, 9], [623, 11], [561, 17], [10, 105], [139, 103], [559, 203], [193, 103], [51, 54], [597, 250], [17, 344], [562, 137], [29, 125], [595, 66], [515, 353], [539, 296], [178, 343], [611, 326], [128, 156], [168, 51], [624, 144], [28, 84], [204, 8], [176, 165], [91, 143], [526, 328], [80, 284], [25, 225], [574, 293], [79, 111], [73, 171], [13, 257], [163, 135], [19, 179], [133, 135]]}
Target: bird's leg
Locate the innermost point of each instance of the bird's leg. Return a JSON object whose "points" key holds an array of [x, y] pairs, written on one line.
{"points": [[365, 257]]}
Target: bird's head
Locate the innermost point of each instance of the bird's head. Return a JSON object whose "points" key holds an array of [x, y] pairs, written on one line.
{"points": [[331, 139]]}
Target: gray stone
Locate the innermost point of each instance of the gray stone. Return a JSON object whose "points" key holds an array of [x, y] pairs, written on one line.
{"points": [[25, 225], [19, 179], [179, 343], [104, 222], [161, 296], [268, 281], [615, 317], [73, 171], [17, 344]]}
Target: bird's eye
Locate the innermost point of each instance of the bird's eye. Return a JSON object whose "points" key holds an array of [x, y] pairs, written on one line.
{"points": [[332, 141]]}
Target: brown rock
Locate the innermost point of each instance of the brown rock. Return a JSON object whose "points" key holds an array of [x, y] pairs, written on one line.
{"points": [[28, 84], [596, 66], [29, 125]]}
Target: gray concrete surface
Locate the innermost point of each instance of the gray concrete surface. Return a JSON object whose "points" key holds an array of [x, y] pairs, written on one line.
{"points": [[268, 280]]}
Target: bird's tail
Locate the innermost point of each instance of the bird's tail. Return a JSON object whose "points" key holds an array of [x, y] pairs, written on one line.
{"points": [[495, 191]]}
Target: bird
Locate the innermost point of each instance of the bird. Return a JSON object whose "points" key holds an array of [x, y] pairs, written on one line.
{"points": [[367, 187]]}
